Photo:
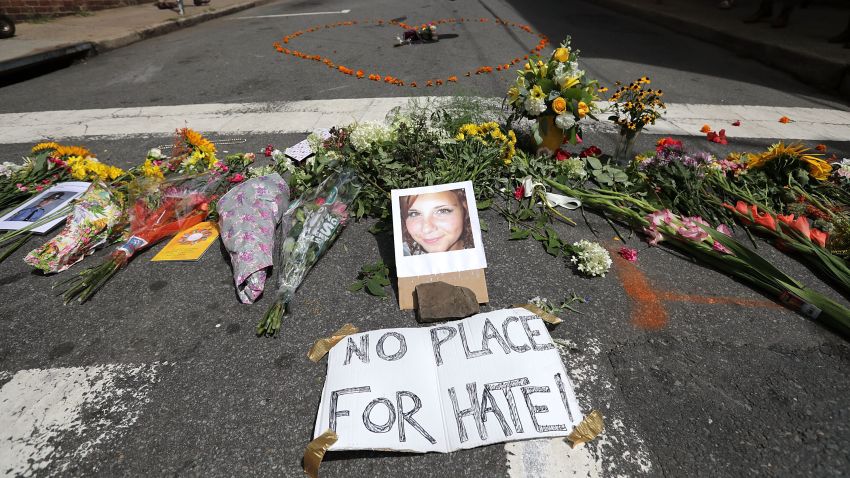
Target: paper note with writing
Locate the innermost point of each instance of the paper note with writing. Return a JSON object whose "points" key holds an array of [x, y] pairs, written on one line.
{"points": [[190, 244], [301, 150], [490, 378]]}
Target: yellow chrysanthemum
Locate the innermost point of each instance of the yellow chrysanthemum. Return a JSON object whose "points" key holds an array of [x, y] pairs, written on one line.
{"points": [[44, 146], [151, 170], [65, 151]]}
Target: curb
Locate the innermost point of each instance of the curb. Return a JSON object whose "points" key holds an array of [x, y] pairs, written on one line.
{"points": [[830, 75], [91, 48]]}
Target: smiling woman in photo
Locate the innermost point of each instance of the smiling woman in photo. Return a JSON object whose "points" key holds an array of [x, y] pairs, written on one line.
{"points": [[435, 222]]}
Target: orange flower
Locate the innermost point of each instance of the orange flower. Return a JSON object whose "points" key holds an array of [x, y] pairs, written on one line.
{"points": [[360, 74], [802, 225], [764, 219], [413, 84], [785, 120], [429, 83], [439, 82], [705, 128], [453, 79], [789, 219], [821, 148], [819, 237]]}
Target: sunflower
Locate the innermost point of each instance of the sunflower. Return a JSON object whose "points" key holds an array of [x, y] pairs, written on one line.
{"points": [[197, 141], [63, 151], [44, 147], [818, 168]]}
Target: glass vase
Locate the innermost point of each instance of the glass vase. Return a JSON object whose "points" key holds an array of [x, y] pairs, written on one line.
{"points": [[624, 149]]}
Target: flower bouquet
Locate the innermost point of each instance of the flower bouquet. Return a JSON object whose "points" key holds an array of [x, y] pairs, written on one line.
{"points": [[632, 108], [555, 93], [425, 33], [158, 211], [311, 224], [97, 216], [247, 216]]}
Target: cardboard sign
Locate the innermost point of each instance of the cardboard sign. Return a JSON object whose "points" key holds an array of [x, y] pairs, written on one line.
{"points": [[490, 378], [189, 245]]}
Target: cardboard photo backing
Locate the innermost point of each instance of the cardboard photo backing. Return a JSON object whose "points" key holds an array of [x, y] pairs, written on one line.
{"points": [[474, 280]]}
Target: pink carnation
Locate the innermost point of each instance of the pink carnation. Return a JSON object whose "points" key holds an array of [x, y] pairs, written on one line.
{"points": [[628, 254]]}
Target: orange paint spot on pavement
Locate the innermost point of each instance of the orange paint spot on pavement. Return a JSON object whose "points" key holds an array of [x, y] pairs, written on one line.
{"points": [[648, 311]]}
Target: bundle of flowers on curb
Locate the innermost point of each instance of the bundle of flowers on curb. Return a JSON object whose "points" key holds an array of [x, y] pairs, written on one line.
{"points": [[97, 216], [158, 210], [490, 133], [425, 33], [311, 224]]}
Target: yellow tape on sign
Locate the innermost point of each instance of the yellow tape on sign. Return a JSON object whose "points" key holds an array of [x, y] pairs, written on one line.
{"points": [[322, 346], [315, 452], [546, 316], [588, 429]]}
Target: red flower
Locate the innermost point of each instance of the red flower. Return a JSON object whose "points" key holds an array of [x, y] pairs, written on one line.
{"points": [[764, 219], [628, 254], [667, 143], [519, 192], [802, 225], [561, 155], [737, 123], [268, 150], [591, 151], [717, 137], [320, 201], [819, 237], [821, 148], [236, 178]]}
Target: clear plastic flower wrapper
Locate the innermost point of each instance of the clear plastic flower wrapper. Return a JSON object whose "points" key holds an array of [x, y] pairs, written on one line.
{"points": [[97, 216], [248, 215], [157, 210], [310, 226]]}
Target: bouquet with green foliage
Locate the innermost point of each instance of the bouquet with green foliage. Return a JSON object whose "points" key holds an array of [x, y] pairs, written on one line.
{"points": [[311, 224], [554, 88]]}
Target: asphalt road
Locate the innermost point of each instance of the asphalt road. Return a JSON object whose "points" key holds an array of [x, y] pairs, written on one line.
{"points": [[717, 381]]}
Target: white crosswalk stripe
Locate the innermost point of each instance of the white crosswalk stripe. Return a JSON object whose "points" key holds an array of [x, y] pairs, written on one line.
{"points": [[40, 409], [812, 124]]}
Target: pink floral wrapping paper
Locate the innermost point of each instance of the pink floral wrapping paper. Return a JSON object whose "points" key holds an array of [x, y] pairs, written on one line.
{"points": [[248, 215], [97, 215]]}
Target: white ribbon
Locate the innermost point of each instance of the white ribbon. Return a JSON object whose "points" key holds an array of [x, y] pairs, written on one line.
{"points": [[552, 199]]}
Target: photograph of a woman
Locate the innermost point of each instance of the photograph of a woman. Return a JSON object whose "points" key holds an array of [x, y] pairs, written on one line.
{"points": [[435, 222], [436, 230]]}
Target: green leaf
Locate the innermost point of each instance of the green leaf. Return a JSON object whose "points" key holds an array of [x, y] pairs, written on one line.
{"points": [[483, 224], [356, 286], [594, 163], [374, 287], [484, 204], [517, 233]]}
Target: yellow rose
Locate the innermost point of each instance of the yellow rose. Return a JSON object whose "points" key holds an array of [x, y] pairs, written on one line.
{"points": [[583, 109], [561, 54], [559, 105], [527, 66]]}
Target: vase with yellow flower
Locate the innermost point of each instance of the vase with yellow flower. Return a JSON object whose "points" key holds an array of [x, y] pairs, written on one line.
{"points": [[633, 107], [556, 95]]}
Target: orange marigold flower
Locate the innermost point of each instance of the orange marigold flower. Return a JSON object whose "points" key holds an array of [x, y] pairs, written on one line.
{"points": [[360, 74], [453, 79], [821, 148], [785, 120], [705, 129], [429, 83], [439, 82], [413, 84]]}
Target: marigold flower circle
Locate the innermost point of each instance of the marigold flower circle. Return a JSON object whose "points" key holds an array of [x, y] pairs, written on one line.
{"points": [[392, 80]]}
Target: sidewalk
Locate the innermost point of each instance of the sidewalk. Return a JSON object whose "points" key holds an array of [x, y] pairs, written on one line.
{"points": [[103, 30], [800, 49]]}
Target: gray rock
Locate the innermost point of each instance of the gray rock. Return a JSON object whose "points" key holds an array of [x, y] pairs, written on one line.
{"points": [[436, 301]]}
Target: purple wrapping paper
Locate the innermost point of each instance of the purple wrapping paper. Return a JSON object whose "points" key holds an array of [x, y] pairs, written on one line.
{"points": [[248, 214]]}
